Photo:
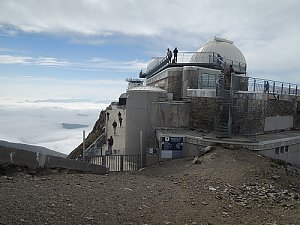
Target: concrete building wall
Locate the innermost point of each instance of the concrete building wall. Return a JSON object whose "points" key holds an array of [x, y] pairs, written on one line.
{"points": [[138, 114], [288, 153], [189, 79], [203, 111], [278, 123], [169, 79], [170, 114]]}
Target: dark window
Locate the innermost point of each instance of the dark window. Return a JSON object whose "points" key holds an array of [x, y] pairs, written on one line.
{"points": [[281, 149], [277, 150], [286, 148]]}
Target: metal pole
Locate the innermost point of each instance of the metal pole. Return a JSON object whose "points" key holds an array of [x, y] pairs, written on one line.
{"points": [[141, 147], [83, 146]]}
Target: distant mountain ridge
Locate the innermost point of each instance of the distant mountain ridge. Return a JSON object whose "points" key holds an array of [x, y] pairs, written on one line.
{"points": [[32, 148]]}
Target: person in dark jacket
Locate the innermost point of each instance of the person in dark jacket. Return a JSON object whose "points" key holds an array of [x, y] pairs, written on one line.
{"points": [[114, 124], [120, 120], [110, 143], [175, 52]]}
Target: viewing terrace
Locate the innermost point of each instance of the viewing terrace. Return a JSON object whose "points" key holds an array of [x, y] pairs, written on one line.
{"points": [[203, 59]]}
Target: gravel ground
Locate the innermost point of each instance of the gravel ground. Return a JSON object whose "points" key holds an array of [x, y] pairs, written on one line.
{"points": [[227, 187]]}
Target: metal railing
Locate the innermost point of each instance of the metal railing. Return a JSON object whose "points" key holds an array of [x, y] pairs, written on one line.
{"points": [[197, 58], [269, 86], [118, 162], [92, 150]]}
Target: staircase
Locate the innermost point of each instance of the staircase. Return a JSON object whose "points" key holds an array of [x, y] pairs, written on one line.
{"points": [[225, 105]]}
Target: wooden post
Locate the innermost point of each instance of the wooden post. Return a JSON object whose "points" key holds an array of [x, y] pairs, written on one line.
{"points": [[141, 147], [83, 146]]}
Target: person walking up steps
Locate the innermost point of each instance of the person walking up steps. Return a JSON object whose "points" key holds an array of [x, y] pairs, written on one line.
{"points": [[119, 114], [120, 120], [110, 143], [114, 124]]}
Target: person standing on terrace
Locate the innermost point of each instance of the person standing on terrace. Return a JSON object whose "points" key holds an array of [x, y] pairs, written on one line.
{"points": [[169, 55], [175, 52]]}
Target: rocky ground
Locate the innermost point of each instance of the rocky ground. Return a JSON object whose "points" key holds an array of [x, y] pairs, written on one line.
{"points": [[227, 187]]}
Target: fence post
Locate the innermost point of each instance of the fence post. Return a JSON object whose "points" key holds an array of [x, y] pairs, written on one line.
{"points": [[254, 84], [296, 89], [83, 146], [121, 163], [141, 147], [274, 87], [281, 88]]}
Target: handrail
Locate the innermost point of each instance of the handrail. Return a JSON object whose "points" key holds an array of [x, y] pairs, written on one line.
{"points": [[89, 151], [196, 57], [270, 86]]}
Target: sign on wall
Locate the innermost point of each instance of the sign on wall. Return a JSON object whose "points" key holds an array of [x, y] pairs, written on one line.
{"points": [[172, 143]]}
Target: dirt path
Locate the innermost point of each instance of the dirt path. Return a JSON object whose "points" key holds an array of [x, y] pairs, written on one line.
{"points": [[228, 187]]}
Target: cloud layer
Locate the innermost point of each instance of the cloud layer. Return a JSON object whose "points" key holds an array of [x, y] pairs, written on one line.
{"points": [[40, 122]]}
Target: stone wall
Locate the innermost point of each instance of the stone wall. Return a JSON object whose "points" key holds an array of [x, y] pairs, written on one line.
{"points": [[297, 119], [281, 108], [251, 116], [203, 111]]}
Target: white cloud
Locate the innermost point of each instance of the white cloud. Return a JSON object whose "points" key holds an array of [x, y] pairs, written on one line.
{"points": [[10, 59], [90, 64], [45, 87], [39, 123]]}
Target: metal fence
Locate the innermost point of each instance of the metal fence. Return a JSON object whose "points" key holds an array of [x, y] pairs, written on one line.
{"points": [[118, 162], [269, 86], [197, 57]]}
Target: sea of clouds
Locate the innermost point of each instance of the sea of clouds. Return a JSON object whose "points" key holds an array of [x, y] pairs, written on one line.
{"points": [[39, 122]]}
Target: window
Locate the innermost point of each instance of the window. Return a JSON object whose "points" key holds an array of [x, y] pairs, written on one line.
{"points": [[281, 149], [277, 150], [286, 149], [207, 81]]}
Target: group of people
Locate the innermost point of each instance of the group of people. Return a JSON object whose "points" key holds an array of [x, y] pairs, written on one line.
{"points": [[169, 55], [110, 141]]}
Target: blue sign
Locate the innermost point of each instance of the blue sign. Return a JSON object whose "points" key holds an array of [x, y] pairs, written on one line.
{"points": [[172, 143]]}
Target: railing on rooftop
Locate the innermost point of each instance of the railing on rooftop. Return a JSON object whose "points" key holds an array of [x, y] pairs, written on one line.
{"points": [[208, 58], [269, 86]]}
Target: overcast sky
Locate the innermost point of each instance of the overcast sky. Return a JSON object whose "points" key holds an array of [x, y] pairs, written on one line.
{"points": [[95, 40], [85, 49]]}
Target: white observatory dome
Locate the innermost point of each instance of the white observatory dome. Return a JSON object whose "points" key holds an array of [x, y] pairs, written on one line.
{"points": [[223, 47]]}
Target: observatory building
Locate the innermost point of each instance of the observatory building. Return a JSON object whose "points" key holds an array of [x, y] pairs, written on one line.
{"points": [[207, 96]]}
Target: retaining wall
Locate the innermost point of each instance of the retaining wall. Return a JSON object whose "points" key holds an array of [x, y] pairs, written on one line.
{"points": [[34, 160]]}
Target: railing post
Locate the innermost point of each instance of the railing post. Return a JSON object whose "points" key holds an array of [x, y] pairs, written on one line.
{"points": [[83, 146], [296, 89], [121, 162], [281, 88], [274, 87], [254, 84], [289, 89]]}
